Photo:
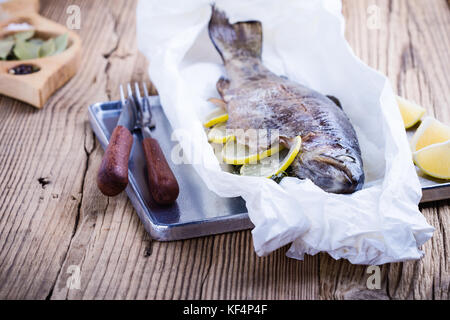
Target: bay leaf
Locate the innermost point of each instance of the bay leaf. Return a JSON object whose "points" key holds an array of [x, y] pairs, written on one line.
{"points": [[5, 48], [48, 48], [36, 41], [24, 50], [25, 35], [61, 43]]}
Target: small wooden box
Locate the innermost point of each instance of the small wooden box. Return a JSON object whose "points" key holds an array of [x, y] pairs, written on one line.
{"points": [[55, 71]]}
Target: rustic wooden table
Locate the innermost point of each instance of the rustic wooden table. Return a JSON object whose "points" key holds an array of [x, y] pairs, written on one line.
{"points": [[54, 222]]}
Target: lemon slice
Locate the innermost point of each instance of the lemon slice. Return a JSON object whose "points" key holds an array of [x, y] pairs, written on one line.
{"points": [[410, 111], [434, 160], [218, 134], [429, 132], [237, 154], [218, 115], [274, 165]]}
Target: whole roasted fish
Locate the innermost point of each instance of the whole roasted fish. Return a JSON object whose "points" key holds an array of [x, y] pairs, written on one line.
{"points": [[256, 98]]}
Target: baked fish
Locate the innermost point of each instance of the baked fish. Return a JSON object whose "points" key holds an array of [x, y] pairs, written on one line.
{"points": [[256, 98]]}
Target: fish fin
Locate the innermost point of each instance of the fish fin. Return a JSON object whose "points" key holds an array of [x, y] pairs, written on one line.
{"points": [[241, 39], [335, 100], [222, 85]]}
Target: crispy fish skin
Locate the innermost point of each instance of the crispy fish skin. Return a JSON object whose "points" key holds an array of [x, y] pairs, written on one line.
{"points": [[258, 99]]}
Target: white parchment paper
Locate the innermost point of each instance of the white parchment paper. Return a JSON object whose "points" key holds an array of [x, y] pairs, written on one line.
{"points": [[303, 40]]}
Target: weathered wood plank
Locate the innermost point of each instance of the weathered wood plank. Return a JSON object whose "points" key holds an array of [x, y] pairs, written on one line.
{"points": [[43, 164], [47, 231], [411, 47]]}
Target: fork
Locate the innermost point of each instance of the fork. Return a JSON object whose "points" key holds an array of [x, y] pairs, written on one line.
{"points": [[162, 182]]}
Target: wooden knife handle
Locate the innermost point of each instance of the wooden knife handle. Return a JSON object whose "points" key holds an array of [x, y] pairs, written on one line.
{"points": [[112, 176], [163, 184]]}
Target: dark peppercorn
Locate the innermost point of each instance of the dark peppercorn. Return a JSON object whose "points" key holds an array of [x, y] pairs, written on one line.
{"points": [[23, 69]]}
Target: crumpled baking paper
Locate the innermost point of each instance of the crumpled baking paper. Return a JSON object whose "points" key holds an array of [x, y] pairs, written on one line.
{"points": [[303, 40]]}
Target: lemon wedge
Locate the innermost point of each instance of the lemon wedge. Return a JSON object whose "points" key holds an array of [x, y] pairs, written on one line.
{"points": [[218, 115], [237, 154], [410, 111], [274, 165], [434, 160], [430, 131], [218, 133]]}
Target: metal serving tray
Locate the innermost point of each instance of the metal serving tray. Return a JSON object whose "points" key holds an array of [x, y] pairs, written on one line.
{"points": [[197, 211]]}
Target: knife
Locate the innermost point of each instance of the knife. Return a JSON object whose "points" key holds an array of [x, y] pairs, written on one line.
{"points": [[112, 177]]}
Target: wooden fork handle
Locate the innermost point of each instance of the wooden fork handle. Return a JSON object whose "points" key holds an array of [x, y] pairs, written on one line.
{"points": [[163, 184], [112, 177]]}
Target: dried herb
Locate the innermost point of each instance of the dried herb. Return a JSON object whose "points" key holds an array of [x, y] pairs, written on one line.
{"points": [[22, 46], [24, 35], [25, 50], [5, 48], [48, 48], [36, 41], [61, 43]]}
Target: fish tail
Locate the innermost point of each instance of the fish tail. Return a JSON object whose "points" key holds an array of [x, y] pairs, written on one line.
{"points": [[241, 39]]}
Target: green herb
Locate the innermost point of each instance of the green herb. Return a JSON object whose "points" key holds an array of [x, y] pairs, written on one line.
{"points": [[25, 35], [25, 50], [36, 41], [22, 46], [48, 48], [61, 43], [5, 48]]}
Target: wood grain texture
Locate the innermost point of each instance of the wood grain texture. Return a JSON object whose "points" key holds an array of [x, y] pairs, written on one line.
{"points": [[52, 216], [411, 47], [14, 6]]}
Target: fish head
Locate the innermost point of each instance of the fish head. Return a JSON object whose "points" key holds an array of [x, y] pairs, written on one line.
{"points": [[335, 169]]}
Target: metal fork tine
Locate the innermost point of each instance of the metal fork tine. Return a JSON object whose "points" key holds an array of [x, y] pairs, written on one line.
{"points": [[130, 91], [137, 92], [135, 109], [122, 96], [147, 101], [145, 90], [138, 100]]}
